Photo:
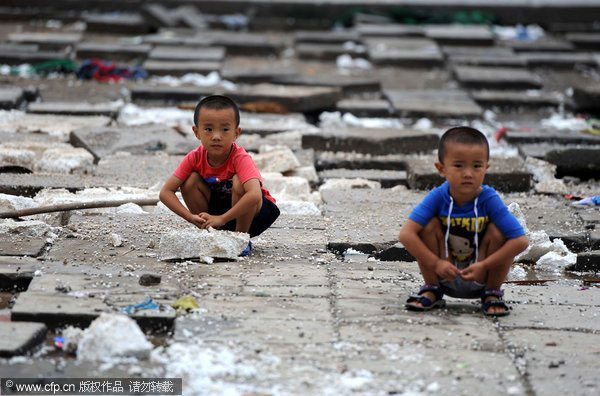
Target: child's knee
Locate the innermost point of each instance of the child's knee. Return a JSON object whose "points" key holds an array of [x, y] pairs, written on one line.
{"points": [[494, 235], [434, 227], [237, 187]]}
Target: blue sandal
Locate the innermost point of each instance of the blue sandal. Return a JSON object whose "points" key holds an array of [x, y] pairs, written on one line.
{"points": [[486, 303], [426, 303]]}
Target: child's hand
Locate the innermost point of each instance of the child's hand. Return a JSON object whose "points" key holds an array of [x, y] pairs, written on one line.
{"points": [[197, 221], [446, 270], [474, 272], [211, 221]]}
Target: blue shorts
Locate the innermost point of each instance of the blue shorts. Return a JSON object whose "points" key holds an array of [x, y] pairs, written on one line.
{"points": [[220, 203], [461, 288]]}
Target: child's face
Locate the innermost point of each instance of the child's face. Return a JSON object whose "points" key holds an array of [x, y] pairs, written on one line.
{"points": [[217, 131], [464, 166]]}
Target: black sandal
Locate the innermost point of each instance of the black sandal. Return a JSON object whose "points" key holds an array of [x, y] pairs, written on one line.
{"points": [[486, 303], [426, 303]]}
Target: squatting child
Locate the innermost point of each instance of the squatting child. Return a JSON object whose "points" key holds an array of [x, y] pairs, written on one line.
{"points": [[462, 235], [219, 182]]}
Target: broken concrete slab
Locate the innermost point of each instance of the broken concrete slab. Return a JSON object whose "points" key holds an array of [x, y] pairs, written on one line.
{"points": [[575, 161], [150, 170], [265, 124], [545, 43], [22, 246], [238, 43], [483, 56], [389, 30], [387, 178], [331, 160], [404, 52], [57, 299], [433, 103], [158, 15], [101, 142], [187, 53], [46, 41], [162, 94], [496, 77], [584, 40], [349, 85], [325, 51], [19, 338], [255, 75], [460, 34], [295, 98], [527, 98], [11, 97], [111, 51], [16, 272], [278, 160], [503, 175], [326, 36], [179, 68], [366, 107], [372, 141], [587, 97], [196, 243], [56, 126], [110, 109], [587, 262], [132, 23], [189, 17], [558, 59], [551, 136]]}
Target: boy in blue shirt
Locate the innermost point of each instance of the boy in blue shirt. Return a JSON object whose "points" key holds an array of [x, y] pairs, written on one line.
{"points": [[462, 235]]}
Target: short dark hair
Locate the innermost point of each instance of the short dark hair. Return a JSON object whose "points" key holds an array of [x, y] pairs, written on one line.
{"points": [[463, 135], [217, 102]]}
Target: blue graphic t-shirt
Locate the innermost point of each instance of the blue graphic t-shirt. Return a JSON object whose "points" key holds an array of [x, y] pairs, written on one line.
{"points": [[461, 240]]}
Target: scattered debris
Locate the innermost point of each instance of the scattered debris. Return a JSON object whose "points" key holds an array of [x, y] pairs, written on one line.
{"points": [[112, 336], [150, 279], [147, 304], [185, 304], [116, 240]]}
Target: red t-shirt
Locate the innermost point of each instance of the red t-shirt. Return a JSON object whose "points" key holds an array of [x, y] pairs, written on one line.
{"points": [[238, 163]]}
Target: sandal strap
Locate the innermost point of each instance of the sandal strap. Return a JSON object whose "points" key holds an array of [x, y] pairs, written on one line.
{"points": [[495, 303], [425, 302], [492, 293], [435, 289]]}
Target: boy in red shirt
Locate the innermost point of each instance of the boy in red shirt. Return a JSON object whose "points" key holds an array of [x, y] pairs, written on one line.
{"points": [[219, 182]]}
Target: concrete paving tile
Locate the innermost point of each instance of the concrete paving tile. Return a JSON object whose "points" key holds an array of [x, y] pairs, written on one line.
{"points": [[101, 142], [496, 77], [297, 308], [557, 361], [557, 59], [365, 108], [74, 108], [417, 367], [460, 34], [16, 272], [187, 53], [287, 274], [46, 40], [263, 331], [373, 141], [179, 68], [553, 317], [432, 103], [350, 85], [376, 289], [18, 338], [326, 36], [389, 30], [516, 98], [439, 335], [387, 178], [403, 51], [124, 23], [553, 293], [286, 291], [326, 51], [546, 43], [11, 97], [22, 246]]}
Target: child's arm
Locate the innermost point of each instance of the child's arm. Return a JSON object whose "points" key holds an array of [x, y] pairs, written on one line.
{"points": [[168, 197], [409, 237], [508, 251], [251, 198]]}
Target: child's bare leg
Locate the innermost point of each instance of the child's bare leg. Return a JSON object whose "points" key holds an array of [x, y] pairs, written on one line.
{"points": [[196, 194], [433, 237], [495, 277], [242, 223]]}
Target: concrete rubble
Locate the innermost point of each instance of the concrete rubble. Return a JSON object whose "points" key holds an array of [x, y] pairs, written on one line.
{"points": [[342, 109], [194, 243]]}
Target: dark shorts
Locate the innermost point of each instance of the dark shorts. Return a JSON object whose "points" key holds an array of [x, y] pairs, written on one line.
{"points": [[269, 212]]}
